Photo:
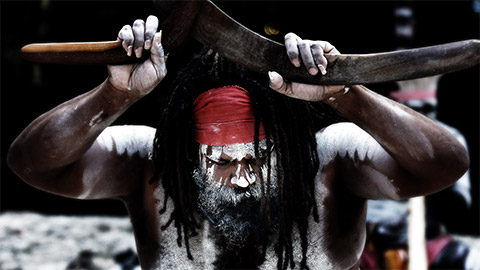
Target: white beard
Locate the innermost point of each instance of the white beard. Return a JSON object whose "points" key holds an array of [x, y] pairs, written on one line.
{"points": [[235, 212]]}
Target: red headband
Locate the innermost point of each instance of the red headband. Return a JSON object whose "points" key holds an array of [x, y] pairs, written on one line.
{"points": [[225, 116]]}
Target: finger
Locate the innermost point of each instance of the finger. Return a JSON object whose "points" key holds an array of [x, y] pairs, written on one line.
{"points": [[158, 55], [291, 45], [308, 92], [294, 90], [329, 48], [151, 26], [319, 58], [276, 81], [307, 57], [139, 35], [278, 84], [126, 35]]}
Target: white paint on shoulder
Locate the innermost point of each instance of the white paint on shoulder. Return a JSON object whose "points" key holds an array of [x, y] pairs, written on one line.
{"points": [[345, 139], [128, 140], [118, 140]]}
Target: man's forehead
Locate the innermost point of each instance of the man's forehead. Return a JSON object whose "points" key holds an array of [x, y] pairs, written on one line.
{"points": [[235, 151]]}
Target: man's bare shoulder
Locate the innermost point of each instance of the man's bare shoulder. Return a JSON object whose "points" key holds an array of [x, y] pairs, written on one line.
{"points": [[116, 164], [337, 127], [128, 139], [343, 139]]}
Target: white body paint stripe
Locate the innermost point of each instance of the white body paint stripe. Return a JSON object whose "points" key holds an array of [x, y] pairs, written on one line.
{"points": [[128, 139]]}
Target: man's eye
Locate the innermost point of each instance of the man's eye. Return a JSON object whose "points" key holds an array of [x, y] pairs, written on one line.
{"points": [[220, 161]]}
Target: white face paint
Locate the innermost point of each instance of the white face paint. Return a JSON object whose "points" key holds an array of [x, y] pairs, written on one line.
{"points": [[229, 193], [235, 151], [231, 164], [238, 179]]}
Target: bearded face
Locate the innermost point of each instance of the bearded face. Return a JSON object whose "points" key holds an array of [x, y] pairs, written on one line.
{"points": [[230, 189]]}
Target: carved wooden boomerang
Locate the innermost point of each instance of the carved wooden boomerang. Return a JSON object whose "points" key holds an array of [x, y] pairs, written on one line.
{"points": [[206, 23]]}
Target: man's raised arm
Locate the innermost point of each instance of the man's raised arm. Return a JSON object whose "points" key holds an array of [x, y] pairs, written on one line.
{"points": [[61, 151], [391, 151]]}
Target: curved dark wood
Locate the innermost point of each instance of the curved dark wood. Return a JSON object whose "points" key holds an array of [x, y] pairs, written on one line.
{"points": [[232, 40], [215, 29]]}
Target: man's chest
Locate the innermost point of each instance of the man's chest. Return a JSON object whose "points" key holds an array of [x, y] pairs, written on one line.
{"points": [[330, 245], [207, 253]]}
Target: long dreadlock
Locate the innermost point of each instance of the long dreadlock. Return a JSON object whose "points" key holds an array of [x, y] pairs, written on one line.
{"points": [[290, 124]]}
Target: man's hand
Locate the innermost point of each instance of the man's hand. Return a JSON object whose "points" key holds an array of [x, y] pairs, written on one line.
{"points": [[140, 79], [311, 54]]}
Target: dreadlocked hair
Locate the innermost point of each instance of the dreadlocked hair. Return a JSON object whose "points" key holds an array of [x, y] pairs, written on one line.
{"points": [[289, 124]]}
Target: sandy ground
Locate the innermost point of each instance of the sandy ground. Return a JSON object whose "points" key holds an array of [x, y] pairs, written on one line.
{"points": [[39, 242], [33, 241]]}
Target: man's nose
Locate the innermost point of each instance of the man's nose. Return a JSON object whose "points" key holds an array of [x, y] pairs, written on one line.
{"points": [[244, 175]]}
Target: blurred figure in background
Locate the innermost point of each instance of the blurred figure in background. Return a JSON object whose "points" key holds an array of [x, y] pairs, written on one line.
{"points": [[390, 223]]}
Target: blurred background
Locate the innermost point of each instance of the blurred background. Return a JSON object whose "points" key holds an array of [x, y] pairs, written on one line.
{"points": [[29, 89]]}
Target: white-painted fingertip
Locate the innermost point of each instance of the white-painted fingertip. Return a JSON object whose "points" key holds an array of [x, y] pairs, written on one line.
{"points": [[158, 38], [271, 75], [147, 45], [138, 53], [296, 63], [274, 76], [313, 71], [322, 69], [275, 79]]}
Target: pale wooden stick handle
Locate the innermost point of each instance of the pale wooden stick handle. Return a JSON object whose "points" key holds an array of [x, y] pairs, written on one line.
{"points": [[79, 53]]}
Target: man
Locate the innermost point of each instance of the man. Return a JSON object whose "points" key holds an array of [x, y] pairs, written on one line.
{"points": [[237, 175]]}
